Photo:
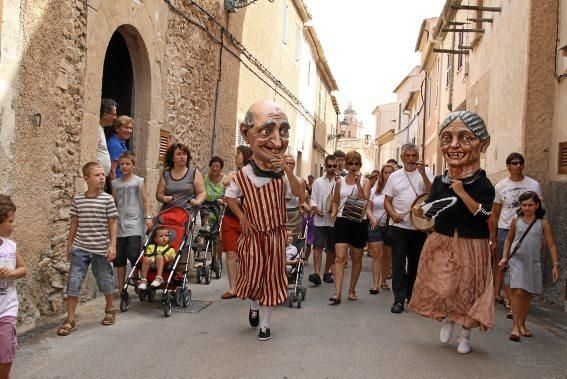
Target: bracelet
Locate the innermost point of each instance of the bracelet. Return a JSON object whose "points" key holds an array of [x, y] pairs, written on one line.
{"points": [[148, 217]]}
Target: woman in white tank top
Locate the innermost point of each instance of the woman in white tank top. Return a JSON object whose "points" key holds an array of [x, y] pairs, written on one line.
{"points": [[348, 233]]}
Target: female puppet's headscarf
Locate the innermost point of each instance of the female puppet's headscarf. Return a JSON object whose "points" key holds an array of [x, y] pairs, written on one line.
{"points": [[471, 120]]}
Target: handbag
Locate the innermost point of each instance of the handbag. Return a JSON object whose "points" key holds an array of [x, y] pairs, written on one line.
{"points": [[514, 251], [354, 209]]}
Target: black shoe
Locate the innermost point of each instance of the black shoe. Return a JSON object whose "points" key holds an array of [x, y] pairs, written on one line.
{"points": [[264, 334], [397, 308], [254, 318], [328, 277], [315, 279]]}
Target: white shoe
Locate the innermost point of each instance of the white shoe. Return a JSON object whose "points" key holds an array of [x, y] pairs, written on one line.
{"points": [[143, 284], [464, 346], [157, 282], [446, 330]]}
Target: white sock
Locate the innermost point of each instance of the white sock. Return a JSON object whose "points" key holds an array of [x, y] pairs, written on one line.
{"points": [[254, 305], [266, 315], [465, 333]]}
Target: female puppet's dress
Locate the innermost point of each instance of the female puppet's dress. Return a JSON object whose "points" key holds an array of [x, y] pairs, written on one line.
{"points": [[454, 276]]}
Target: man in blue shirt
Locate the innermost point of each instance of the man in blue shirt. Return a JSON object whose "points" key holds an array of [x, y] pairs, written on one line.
{"points": [[123, 127]]}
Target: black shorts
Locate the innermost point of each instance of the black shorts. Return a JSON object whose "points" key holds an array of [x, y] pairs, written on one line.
{"points": [[351, 232], [324, 238], [127, 248]]}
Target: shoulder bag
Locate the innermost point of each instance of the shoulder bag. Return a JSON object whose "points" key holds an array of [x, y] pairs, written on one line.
{"points": [[354, 209]]}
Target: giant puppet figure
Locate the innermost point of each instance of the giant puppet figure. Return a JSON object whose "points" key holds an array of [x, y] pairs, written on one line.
{"points": [[454, 278], [262, 186]]}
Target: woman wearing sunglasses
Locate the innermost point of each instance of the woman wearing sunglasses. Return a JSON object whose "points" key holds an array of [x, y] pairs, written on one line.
{"points": [[348, 233]]}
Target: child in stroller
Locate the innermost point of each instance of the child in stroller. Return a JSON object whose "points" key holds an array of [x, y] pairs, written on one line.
{"points": [[159, 254], [173, 227], [207, 258], [295, 264]]}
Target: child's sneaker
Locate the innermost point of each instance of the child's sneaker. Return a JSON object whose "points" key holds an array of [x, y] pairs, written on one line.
{"points": [[157, 282], [143, 284], [264, 334]]}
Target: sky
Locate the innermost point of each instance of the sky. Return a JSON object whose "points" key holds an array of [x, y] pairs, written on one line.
{"points": [[370, 45]]}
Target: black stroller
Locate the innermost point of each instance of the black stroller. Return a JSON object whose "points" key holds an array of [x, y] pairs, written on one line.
{"points": [[296, 292], [179, 222], [204, 246]]}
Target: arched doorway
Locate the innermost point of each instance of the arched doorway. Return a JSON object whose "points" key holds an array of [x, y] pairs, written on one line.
{"points": [[118, 77]]}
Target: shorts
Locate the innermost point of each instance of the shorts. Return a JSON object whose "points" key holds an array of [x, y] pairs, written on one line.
{"points": [[231, 230], [8, 340], [324, 238], [127, 248], [501, 237], [102, 271], [351, 232], [378, 234]]}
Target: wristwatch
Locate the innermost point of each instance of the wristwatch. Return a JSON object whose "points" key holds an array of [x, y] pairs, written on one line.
{"points": [[148, 217]]}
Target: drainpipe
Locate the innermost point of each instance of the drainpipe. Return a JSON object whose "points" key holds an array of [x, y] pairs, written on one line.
{"points": [[424, 97], [451, 75], [217, 95]]}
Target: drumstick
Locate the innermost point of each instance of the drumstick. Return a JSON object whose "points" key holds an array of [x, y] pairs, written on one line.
{"points": [[432, 209]]}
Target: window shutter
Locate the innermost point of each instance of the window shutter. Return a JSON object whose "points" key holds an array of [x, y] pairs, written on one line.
{"points": [[164, 139], [562, 166]]}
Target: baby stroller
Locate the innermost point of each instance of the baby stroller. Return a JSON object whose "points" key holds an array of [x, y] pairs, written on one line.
{"points": [[296, 292], [205, 243], [179, 223]]}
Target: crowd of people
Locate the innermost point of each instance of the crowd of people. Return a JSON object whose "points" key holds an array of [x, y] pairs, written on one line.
{"points": [[444, 273]]}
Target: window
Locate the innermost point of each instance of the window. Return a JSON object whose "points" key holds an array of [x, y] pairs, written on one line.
{"points": [[562, 165], [460, 56], [164, 140], [448, 70], [285, 7], [297, 42], [239, 140]]}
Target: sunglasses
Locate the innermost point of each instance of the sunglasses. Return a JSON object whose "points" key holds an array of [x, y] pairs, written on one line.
{"points": [[354, 164], [516, 163], [331, 166]]}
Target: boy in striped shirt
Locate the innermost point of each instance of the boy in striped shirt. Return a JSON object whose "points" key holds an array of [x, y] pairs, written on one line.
{"points": [[91, 241]]}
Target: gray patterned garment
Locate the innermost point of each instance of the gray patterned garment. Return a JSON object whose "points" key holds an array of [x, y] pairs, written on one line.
{"points": [[525, 265], [130, 207]]}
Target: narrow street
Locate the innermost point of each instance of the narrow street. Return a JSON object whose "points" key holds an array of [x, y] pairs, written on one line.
{"points": [[354, 339]]}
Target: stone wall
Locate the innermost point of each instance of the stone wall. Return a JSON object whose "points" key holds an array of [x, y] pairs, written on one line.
{"points": [[46, 155]]}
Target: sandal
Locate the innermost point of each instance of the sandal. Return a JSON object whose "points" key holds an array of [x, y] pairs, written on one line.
{"points": [[526, 333], [110, 317], [500, 299], [66, 328], [374, 291], [509, 316], [228, 295], [385, 286], [352, 295], [506, 305], [514, 336], [335, 299]]}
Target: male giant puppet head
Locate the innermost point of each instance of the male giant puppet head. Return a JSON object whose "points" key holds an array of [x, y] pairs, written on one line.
{"points": [[266, 130], [463, 137]]}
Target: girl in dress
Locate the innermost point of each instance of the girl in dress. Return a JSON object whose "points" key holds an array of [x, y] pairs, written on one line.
{"points": [[524, 267]]}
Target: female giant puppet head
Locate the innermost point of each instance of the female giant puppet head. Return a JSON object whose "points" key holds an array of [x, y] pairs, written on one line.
{"points": [[463, 137], [266, 130]]}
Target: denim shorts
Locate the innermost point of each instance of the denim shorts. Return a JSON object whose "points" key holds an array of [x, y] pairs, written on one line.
{"points": [[102, 271], [501, 236], [377, 235]]}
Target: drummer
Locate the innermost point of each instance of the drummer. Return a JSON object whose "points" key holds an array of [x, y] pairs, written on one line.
{"points": [[402, 189]]}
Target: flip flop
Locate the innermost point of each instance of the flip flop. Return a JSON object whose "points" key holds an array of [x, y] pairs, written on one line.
{"points": [[385, 286]]}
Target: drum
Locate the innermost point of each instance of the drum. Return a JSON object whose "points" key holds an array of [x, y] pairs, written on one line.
{"points": [[354, 209], [421, 223]]}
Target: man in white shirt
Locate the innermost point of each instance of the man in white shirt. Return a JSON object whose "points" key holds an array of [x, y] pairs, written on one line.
{"points": [[107, 117], [401, 190], [321, 195], [506, 204]]}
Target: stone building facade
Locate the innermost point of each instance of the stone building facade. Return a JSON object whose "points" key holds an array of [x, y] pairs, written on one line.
{"points": [[52, 77]]}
